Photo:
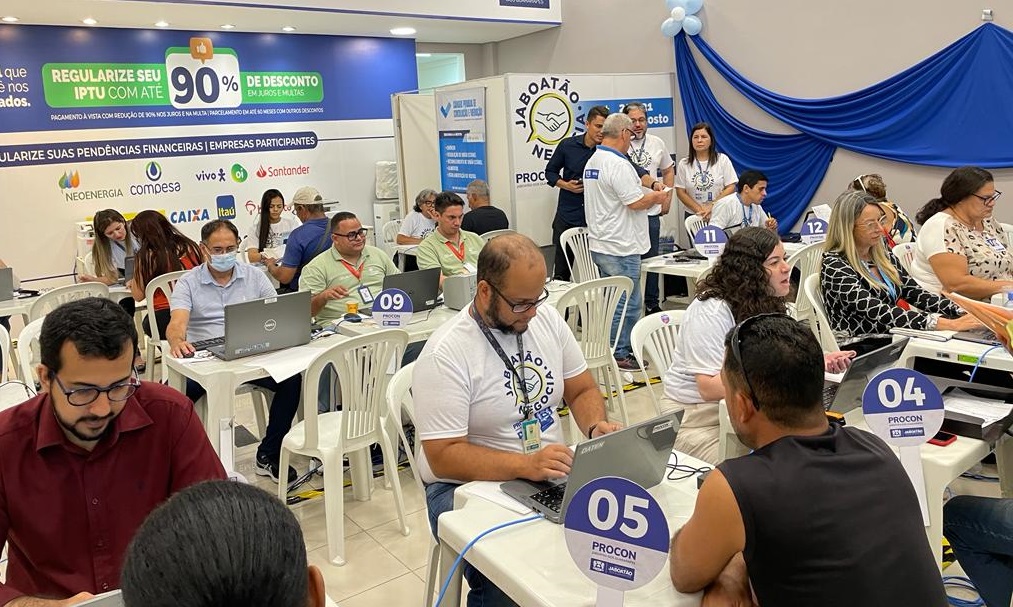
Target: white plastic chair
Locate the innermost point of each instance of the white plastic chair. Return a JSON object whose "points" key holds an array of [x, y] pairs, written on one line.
{"points": [[156, 343], [592, 304], [494, 233], [905, 254], [13, 394], [807, 260], [361, 363], [1008, 229], [582, 267], [55, 298], [693, 225], [388, 235], [819, 322], [5, 354], [655, 335], [28, 357]]}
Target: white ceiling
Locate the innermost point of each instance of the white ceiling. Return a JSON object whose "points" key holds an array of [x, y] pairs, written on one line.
{"points": [[144, 14]]}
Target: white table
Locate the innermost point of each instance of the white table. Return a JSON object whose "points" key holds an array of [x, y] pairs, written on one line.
{"points": [[530, 561]]}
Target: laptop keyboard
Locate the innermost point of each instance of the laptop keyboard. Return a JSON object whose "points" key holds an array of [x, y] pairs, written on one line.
{"points": [[551, 498], [829, 392], [204, 344]]}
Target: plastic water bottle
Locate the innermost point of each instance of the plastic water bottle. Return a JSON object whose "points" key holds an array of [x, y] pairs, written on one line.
{"points": [[1007, 297]]}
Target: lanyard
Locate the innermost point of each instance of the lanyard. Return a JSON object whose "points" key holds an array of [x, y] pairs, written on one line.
{"points": [[885, 281], [356, 272], [526, 409], [747, 220], [699, 167], [458, 254], [637, 154]]}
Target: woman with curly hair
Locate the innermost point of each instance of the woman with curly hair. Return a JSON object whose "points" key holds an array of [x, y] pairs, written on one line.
{"points": [[751, 277]]}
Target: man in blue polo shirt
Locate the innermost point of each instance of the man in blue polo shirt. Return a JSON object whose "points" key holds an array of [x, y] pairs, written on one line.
{"points": [[305, 242], [198, 312]]}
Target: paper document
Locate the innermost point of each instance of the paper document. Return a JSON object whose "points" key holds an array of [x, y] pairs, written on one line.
{"points": [[930, 335], [987, 410], [283, 364], [822, 211]]}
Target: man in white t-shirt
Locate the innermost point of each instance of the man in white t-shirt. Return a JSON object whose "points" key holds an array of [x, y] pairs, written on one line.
{"points": [[742, 209], [650, 153], [472, 406], [616, 208]]}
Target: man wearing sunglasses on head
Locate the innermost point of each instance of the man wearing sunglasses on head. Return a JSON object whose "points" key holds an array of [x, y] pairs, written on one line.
{"points": [[86, 460], [817, 514]]}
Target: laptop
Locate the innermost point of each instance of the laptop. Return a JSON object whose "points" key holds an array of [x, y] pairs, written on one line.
{"points": [[422, 287], [978, 336], [6, 284], [113, 598], [128, 271], [639, 453], [847, 395], [263, 325]]}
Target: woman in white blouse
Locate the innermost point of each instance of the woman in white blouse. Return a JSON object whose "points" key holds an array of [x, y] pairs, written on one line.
{"points": [[960, 247], [271, 229], [705, 175]]}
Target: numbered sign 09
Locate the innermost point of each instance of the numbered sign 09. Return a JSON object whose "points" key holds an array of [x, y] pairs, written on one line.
{"points": [[392, 308], [617, 533], [710, 241], [814, 230]]}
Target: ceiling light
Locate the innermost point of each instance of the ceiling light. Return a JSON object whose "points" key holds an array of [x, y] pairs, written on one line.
{"points": [[228, 26], [288, 28], [161, 24], [403, 31], [9, 19], [423, 55], [88, 21]]}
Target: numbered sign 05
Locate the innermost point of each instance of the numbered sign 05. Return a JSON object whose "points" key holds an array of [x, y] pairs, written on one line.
{"points": [[202, 76], [903, 407], [814, 230], [617, 533], [392, 308], [710, 241]]}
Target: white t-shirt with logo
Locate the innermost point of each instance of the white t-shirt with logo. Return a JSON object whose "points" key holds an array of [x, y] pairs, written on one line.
{"points": [[729, 212], [651, 154], [417, 225], [610, 184], [461, 387], [699, 349], [277, 234], [704, 182]]}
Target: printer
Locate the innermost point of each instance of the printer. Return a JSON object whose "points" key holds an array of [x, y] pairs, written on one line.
{"points": [[459, 290]]}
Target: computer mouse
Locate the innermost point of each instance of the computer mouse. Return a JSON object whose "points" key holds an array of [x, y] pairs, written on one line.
{"points": [[188, 354], [352, 318]]}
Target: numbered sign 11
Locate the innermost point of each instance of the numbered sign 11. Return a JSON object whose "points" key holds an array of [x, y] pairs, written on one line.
{"points": [[814, 230], [710, 241], [202, 76], [617, 535], [905, 409], [392, 308]]}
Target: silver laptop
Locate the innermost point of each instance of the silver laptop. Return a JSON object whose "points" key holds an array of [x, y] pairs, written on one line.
{"points": [[6, 284], [847, 395], [422, 287], [265, 325], [459, 291], [639, 453], [113, 598]]}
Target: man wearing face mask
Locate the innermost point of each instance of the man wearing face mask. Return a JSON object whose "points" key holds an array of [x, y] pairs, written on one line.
{"points": [[198, 312]]}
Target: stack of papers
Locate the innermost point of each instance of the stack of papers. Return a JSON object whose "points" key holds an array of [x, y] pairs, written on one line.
{"points": [[987, 410]]}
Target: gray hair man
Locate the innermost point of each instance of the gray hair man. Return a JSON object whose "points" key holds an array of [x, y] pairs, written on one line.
{"points": [[483, 217]]}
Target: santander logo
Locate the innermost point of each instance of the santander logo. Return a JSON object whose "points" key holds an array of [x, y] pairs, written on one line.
{"points": [[282, 171]]}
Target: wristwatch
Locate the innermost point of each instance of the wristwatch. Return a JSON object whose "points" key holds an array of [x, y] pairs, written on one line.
{"points": [[591, 429]]}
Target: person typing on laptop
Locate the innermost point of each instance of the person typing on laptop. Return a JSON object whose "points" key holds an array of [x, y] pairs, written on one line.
{"points": [[835, 499], [487, 385], [453, 250], [198, 313]]}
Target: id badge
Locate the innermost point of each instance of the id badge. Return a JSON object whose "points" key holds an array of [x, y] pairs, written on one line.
{"points": [[531, 433], [365, 294], [470, 267], [993, 242]]}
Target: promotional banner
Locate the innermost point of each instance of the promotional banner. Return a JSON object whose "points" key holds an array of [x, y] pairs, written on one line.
{"points": [[460, 120], [198, 125], [547, 108]]}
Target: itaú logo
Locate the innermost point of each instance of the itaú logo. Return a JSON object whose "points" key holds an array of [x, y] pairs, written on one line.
{"points": [[270, 325]]}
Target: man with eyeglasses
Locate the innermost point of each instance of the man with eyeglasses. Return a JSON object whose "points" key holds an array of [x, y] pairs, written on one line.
{"points": [[487, 385], [350, 271], [197, 309], [453, 250], [305, 242], [835, 499], [616, 207], [86, 460]]}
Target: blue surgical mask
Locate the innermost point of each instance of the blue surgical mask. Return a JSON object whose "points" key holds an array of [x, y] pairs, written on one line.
{"points": [[223, 262]]}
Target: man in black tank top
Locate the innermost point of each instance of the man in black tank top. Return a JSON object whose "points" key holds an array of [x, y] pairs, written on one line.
{"points": [[817, 514]]}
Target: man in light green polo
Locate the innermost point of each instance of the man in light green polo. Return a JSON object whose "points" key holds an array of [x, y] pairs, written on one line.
{"points": [[350, 271], [448, 247]]}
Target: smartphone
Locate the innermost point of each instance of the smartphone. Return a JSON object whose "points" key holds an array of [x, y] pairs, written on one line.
{"points": [[942, 438]]}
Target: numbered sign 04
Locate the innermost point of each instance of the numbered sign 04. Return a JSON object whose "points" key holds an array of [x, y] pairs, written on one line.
{"points": [[903, 407]]}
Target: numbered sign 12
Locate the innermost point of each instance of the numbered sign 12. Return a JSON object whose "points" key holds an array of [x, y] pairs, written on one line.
{"points": [[392, 308], [903, 407], [710, 241], [203, 76], [814, 230], [616, 533]]}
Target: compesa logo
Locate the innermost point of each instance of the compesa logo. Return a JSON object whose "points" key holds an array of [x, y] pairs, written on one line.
{"points": [[189, 215], [270, 325], [70, 184], [154, 186], [283, 171], [547, 111], [539, 382]]}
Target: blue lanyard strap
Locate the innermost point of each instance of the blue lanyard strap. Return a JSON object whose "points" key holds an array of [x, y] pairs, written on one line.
{"points": [[884, 280], [527, 409]]}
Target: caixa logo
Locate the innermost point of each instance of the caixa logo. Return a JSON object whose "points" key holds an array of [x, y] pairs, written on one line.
{"points": [[189, 215], [226, 205]]}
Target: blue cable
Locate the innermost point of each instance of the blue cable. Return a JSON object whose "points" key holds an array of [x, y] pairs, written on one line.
{"points": [[981, 359], [962, 582], [457, 561]]}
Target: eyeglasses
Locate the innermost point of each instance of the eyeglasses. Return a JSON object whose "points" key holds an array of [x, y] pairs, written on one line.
{"points": [[737, 353], [631, 132], [520, 307], [222, 251], [427, 203], [988, 199], [356, 235], [874, 226], [86, 396]]}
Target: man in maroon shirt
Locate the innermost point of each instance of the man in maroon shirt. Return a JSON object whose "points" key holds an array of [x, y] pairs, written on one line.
{"points": [[85, 461]]}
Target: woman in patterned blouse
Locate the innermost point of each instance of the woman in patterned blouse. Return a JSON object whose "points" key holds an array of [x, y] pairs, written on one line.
{"points": [[865, 290]]}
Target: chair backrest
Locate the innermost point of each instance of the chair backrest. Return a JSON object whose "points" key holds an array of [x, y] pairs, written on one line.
{"points": [[362, 364], [807, 260], [819, 322], [5, 354], [655, 336], [1008, 229], [28, 351], [494, 233], [905, 254], [399, 400], [389, 234], [165, 284], [50, 300], [592, 304], [582, 267], [693, 225]]}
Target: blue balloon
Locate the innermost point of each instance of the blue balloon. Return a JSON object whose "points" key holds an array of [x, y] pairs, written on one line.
{"points": [[692, 25], [692, 6], [671, 27], [674, 3]]}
